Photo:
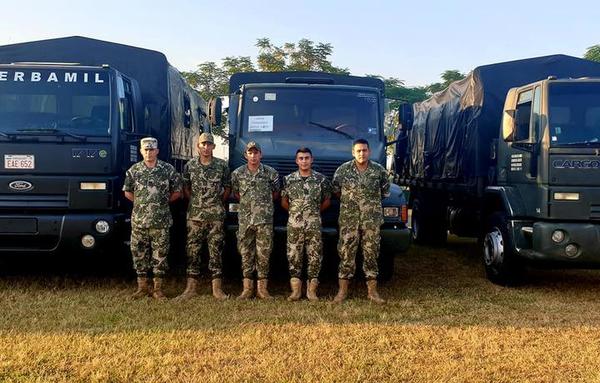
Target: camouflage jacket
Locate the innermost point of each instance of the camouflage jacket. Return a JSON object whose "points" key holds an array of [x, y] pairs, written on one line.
{"points": [[305, 196], [360, 202], [256, 194], [207, 183], [151, 188]]}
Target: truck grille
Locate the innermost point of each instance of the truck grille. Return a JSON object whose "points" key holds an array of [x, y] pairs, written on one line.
{"points": [[595, 211], [28, 242], [34, 200]]}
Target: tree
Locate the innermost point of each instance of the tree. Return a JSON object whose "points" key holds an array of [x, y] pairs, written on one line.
{"points": [[270, 58], [451, 75], [448, 77], [237, 64], [208, 79], [593, 53], [211, 80], [397, 91], [303, 56]]}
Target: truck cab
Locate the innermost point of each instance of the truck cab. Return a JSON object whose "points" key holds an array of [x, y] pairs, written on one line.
{"points": [[65, 134], [325, 112], [545, 205]]}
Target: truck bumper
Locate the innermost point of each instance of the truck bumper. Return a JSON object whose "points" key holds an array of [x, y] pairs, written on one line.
{"points": [[538, 244], [395, 238], [48, 233]]}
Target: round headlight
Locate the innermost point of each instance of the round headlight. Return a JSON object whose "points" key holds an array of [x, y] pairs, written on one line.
{"points": [[571, 250], [558, 236], [88, 241], [102, 227]]}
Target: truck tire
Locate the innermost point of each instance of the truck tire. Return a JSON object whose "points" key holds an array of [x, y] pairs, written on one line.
{"points": [[428, 224], [386, 266], [501, 263]]}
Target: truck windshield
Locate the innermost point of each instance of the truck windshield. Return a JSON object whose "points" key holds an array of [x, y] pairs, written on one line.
{"points": [[574, 113], [71, 102], [313, 113]]}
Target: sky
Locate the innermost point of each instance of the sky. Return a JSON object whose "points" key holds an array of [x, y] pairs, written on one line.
{"points": [[413, 41]]}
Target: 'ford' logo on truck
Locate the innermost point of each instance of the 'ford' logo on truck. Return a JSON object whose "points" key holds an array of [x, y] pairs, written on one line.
{"points": [[576, 164], [20, 185]]}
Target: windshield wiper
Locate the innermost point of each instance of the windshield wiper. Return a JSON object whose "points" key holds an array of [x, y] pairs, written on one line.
{"points": [[53, 131], [331, 129]]}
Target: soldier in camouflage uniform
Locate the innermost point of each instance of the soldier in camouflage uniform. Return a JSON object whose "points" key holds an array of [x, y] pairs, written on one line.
{"points": [[256, 186], [305, 194], [206, 185], [151, 185], [360, 184]]}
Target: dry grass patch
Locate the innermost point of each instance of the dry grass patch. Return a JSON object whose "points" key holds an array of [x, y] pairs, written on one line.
{"points": [[444, 322], [297, 352]]}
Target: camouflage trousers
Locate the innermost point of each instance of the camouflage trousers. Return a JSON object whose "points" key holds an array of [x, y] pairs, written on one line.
{"points": [[213, 232], [255, 243], [297, 241], [350, 238], [149, 249]]}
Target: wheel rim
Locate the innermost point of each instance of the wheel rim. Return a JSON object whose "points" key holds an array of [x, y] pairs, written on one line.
{"points": [[493, 247]]}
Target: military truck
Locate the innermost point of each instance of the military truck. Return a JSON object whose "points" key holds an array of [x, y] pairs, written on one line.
{"points": [[72, 111], [325, 112], [510, 155]]}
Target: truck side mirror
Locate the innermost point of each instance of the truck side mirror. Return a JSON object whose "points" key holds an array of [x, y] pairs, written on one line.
{"points": [[508, 125], [405, 113], [508, 117], [214, 111]]}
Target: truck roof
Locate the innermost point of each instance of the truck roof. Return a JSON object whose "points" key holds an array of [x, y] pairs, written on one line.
{"points": [[52, 65], [239, 79], [148, 67], [80, 50]]}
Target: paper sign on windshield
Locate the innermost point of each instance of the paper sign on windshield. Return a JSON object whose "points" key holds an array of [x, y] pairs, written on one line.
{"points": [[260, 123]]}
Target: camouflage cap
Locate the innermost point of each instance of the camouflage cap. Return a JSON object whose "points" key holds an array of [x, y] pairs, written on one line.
{"points": [[253, 145], [206, 137], [149, 143]]}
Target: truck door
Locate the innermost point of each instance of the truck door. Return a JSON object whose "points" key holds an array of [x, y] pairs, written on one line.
{"points": [[127, 125], [522, 160]]}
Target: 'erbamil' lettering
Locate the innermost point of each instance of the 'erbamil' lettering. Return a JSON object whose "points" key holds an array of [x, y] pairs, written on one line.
{"points": [[70, 77]]}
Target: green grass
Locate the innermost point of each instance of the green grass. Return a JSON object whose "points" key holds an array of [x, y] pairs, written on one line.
{"points": [[444, 322]]}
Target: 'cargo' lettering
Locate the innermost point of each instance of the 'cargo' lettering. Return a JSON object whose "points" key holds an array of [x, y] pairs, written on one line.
{"points": [[576, 164]]}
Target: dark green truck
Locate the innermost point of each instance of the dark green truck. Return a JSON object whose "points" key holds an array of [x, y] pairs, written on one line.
{"points": [[325, 112], [510, 154]]}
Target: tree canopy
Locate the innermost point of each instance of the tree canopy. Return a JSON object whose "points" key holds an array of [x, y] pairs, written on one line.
{"points": [[303, 56], [211, 79], [593, 53]]}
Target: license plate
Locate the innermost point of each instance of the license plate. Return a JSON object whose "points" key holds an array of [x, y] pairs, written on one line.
{"points": [[19, 161]]}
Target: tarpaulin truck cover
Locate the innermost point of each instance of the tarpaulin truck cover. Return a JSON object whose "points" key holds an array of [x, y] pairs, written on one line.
{"points": [[453, 130]]}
